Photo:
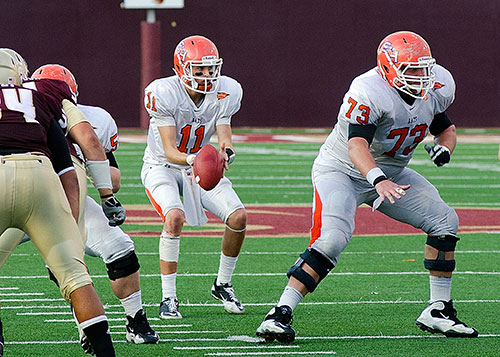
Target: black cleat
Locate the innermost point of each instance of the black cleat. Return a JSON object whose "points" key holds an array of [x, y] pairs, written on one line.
{"points": [[139, 331], [276, 325]]}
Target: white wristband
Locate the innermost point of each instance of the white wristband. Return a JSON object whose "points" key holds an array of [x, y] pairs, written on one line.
{"points": [[190, 159], [99, 171], [373, 174]]}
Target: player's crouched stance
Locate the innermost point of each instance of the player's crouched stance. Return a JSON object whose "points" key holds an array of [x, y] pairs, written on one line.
{"points": [[186, 110], [364, 160]]}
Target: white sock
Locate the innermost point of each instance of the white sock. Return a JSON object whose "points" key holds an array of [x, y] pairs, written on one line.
{"points": [[440, 288], [290, 297], [132, 303], [226, 269], [168, 285]]}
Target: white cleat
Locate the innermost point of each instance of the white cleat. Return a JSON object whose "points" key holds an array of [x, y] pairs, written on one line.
{"points": [[441, 317], [169, 309], [225, 293]]}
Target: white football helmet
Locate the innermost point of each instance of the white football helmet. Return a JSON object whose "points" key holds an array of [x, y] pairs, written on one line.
{"points": [[20, 63], [9, 73]]}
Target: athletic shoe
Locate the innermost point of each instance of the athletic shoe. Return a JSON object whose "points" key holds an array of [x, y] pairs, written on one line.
{"points": [[276, 325], [169, 309], [441, 317], [225, 293], [138, 329]]}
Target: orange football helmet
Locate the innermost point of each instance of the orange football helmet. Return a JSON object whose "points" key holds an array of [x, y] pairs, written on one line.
{"points": [[403, 52], [194, 51], [56, 71]]}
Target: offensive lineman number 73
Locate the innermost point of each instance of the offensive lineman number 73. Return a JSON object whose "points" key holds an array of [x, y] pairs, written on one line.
{"points": [[418, 131]]}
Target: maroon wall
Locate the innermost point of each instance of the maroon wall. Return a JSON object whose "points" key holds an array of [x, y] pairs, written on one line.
{"points": [[294, 58]]}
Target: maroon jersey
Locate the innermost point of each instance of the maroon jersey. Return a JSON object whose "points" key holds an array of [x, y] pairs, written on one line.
{"points": [[25, 119], [58, 90]]}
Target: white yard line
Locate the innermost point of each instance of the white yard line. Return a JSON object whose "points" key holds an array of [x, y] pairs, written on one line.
{"points": [[254, 275]]}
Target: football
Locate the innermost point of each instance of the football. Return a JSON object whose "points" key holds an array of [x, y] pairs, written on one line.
{"points": [[208, 167]]}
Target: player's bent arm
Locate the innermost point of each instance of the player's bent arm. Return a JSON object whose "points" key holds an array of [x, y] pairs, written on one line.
{"points": [[224, 137], [73, 113], [84, 135], [115, 178], [362, 158], [69, 181], [114, 171], [61, 161], [447, 138], [360, 155], [168, 139]]}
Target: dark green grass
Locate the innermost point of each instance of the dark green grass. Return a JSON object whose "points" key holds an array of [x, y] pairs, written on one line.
{"points": [[366, 307]]}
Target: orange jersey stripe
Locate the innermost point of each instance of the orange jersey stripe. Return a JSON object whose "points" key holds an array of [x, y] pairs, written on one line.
{"points": [[155, 205], [318, 207]]}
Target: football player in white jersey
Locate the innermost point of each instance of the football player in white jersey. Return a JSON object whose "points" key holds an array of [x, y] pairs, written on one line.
{"points": [[385, 114], [186, 109], [110, 243]]}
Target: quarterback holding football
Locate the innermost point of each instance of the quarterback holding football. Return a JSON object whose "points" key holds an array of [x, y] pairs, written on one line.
{"points": [[186, 110]]}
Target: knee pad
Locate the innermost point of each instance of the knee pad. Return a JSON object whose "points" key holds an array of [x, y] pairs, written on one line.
{"points": [[169, 248], [317, 261], [444, 243], [123, 266]]}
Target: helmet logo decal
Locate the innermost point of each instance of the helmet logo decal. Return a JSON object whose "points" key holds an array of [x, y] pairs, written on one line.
{"points": [[389, 50], [181, 52]]}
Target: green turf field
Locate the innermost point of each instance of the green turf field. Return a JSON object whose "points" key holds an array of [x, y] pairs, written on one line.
{"points": [[366, 307]]}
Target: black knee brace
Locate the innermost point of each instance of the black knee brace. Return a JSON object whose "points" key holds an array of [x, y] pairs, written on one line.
{"points": [[317, 261], [123, 266], [444, 243]]}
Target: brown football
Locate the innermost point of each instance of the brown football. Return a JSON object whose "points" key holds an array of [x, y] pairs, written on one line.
{"points": [[208, 167]]}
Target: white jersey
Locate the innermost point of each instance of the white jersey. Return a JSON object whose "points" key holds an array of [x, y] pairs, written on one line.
{"points": [[104, 126], [168, 104], [400, 127]]}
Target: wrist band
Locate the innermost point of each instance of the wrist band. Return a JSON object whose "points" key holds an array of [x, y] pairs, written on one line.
{"points": [[107, 196], [190, 159], [375, 175], [230, 155], [378, 179]]}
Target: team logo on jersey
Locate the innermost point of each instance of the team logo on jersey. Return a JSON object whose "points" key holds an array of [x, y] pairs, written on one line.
{"points": [[390, 52], [221, 95], [438, 85]]}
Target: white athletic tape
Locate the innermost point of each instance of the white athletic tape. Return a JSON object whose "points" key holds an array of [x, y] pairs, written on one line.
{"points": [[169, 248]]}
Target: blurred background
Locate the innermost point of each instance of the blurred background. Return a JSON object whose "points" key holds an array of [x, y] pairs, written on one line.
{"points": [[295, 59]]}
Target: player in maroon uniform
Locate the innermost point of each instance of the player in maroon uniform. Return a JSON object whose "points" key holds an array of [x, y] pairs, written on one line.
{"points": [[81, 132], [32, 198]]}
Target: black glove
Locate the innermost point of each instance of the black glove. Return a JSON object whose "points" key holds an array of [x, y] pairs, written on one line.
{"points": [[114, 211], [439, 154]]}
